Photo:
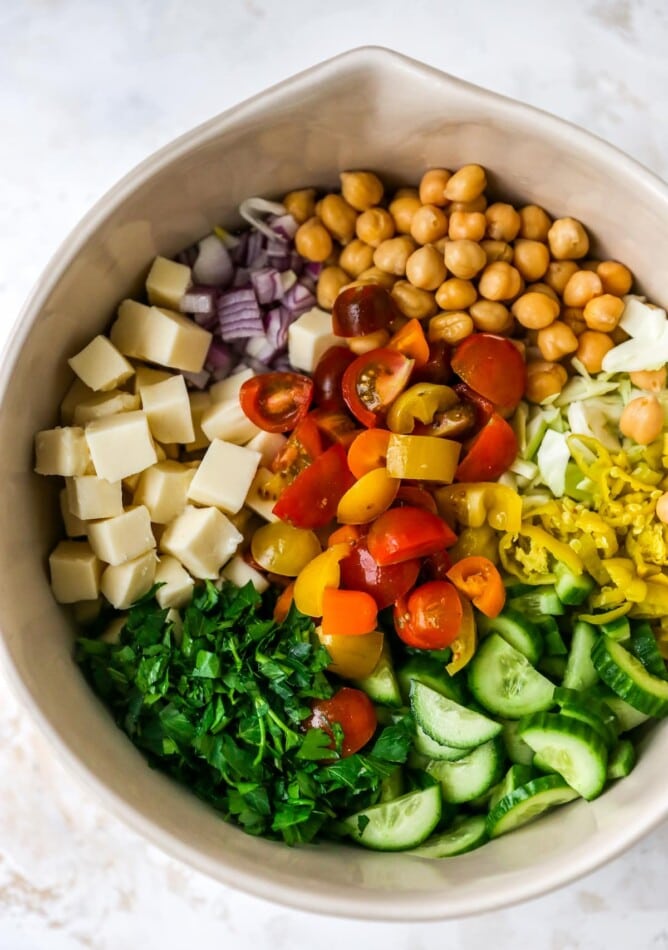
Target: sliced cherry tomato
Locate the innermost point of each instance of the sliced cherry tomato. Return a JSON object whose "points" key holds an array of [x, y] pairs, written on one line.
{"points": [[484, 409], [404, 533], [436, 566], [303, 445], [327, 377], [437, 368], [348, 613], [479, 580], [416, 497], [361, 571], [276, 402], [490, 454], [311, 500], [493, 367], [346, 534], [373, 381], [363, 309], [430, 617], [335, 425], [411, 341], [368, 451], [352, 710], [284, 603]]}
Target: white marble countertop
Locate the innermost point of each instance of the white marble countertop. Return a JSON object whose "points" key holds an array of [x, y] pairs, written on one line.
{"points": [[87, 89]]}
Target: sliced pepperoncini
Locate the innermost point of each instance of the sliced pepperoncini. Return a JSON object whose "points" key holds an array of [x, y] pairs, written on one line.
{"points": [[530, 552], [322, 572], [422, 457], [463, 648], [419, 403]]}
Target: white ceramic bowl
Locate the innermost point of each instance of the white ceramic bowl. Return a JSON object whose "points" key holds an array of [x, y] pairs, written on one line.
{"points": [[369, 108]]}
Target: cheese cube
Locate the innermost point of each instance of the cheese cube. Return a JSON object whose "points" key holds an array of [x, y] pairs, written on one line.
{"points": [[123, 584], [268, 444], [120, 539], [239, 572], [120, 445], [100, 365], [75, 572], [87, 611], [176, 620], [100, 405], [90, 497], [259, 499], [74, 527], [309, 337], [163, 489], [148, 376], [202, 539], [167, 409], [167, 282], [199, 403], [224, 476], [61, 451], [160, 336], [78, 392], [227, 421], [229, 387], [113, 630], [178, 584]]}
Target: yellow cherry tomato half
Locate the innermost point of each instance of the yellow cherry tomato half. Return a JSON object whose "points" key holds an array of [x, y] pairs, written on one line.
{"points": [[370, 496], [282, 549], [353, 658], [322, 572]]}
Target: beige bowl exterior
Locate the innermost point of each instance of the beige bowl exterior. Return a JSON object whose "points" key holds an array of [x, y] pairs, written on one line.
{"points": [[369, 108]]}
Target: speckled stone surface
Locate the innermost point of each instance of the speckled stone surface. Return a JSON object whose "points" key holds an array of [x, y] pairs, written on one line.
{"points": [[89, 88]]}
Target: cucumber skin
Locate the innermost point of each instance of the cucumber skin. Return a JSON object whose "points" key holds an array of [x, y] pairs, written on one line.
{"points": [[623, 684], [557, 724], [382, 842], [644, 648], [517, 630], [450, 796], [622, 760], [425, 745], [517, 750], [580, 670], [425, 703], [430, 673], [546, 784], [465, 836]]}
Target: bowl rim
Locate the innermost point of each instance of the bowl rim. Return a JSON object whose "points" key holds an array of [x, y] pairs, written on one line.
{"points": [[365, 906]]}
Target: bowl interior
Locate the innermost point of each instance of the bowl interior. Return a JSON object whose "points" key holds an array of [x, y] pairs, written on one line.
{"points": [[367, 109]]}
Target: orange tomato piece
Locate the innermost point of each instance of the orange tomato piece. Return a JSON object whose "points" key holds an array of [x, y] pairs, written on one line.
{"points": [[479, 580], [346, 534], [368, 451], [348, 613], [411, 341], [284, 602]]}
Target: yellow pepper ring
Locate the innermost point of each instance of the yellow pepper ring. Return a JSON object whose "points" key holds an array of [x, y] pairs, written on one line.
{"points": [[422, 457], [322, 572], [464, 646], [419, 403]]}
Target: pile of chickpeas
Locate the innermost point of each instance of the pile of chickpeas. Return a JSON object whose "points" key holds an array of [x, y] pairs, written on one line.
{"points": [[461, 265]]}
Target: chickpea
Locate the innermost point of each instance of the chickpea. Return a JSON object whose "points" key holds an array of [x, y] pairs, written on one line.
{"points": [[338, 217], [356, 257], [362, 190], [604, 312], [490, 316], [300, 204], [432, 186], [392, 255], [456, 294], [573, 317], [478, 204], [425, 268], [428, 224], [568, 240], [556, 341], [581, 287], [330, 282], [662, 508], [467, 225], [642, 419], [503, 222], [499, 281], [452, 327], [376, 275], [592, 347], [412, 302], [313, 241], [544, 380], [559, 273], [615, 277], [535, 311], [497, 251], [539, 288], [368, 342], [531, 258], [467, 183], [653, 380], [402, 208], [440, 245], [374, 226], [464, 258], [535, 223]]}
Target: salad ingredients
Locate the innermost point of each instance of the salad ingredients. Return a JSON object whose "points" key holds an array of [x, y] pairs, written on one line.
{"points": [[479, 580], [430, 617], [373, 381], [492, 367], [276, 402], [403, 534]]}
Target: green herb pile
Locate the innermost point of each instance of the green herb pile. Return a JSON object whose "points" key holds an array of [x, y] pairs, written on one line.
{"points": [[221, 706]]}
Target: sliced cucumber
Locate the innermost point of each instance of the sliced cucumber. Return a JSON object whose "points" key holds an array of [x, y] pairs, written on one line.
{"points": [[526, 803], [617, 629], [541, 601], [572, 589], [516, 776], [392, 786], [432, 673], [516, 749], [465, 835], [403, 823], [381, 685], [517, 630], [628, 678], [472, 776], [554, 667], [644, 646], [627, 716], [580, 670], [504, 682], [582, 713], [426, 746], [554, 641], [569, 747], [449, 723], [621, 760]]}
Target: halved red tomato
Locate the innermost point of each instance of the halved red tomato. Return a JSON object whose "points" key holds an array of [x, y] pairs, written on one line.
{"points": [[430, 617], [493, 367], [417, 497], [490, 453], [302, 447], [363, 309], [335, 425], [436, 566], [312, 498], [327, 377], [352, 710], [484, 409], [404, 533], [437, 368], [276, 402], [361, 571], [373, 381]]}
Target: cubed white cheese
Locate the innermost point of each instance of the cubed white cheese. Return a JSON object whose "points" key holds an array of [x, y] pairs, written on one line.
{"points": [[74, 527], [227, 421], [78, 392], [123, 584], [120, 445], [87, 611], [309, 337], [199, 403], [178, 584], [100, 365], [224, 476], [75, 572], [148, 376], [167, 282], [202, 539], [167, 409], [160, 336], [123, 538], [259, 498], [62, 451], [268, 444], [163, 489], [229, 387], [90, 497], [100, 405], [239, 572]]}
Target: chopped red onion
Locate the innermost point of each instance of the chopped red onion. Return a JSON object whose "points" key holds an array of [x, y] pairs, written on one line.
{"points": [[299, 299], [267, 284], [220, 356], [255, 252], [200, 301], [238, 252], [241, 278], [213, 265], [284, 225], [250, 210], [239, 315], [276, 327]]}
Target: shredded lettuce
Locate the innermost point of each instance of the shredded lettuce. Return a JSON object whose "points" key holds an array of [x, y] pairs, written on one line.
{"points": [[552, 458]]}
